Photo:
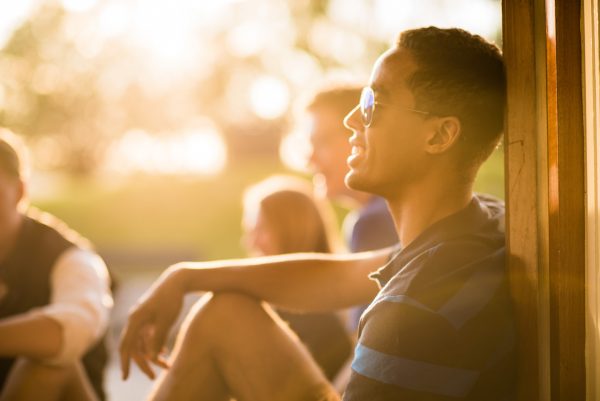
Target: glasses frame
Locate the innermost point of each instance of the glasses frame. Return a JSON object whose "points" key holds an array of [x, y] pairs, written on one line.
{"points": [[367, 120]]}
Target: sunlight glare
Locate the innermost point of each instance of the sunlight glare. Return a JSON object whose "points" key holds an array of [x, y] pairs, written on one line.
{"points": [[350, 12], [247, 39], [269, 97], [329, 40], [12, 14], [200, 151], [294, 150], [300, 67], [157, 28], [114, 19], [197, 150], [477, 17], [78, 5], [46, 79]]}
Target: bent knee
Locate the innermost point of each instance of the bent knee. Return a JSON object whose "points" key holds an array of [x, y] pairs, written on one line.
{"points": [[222, 311], [224, 303], [42, 373]]}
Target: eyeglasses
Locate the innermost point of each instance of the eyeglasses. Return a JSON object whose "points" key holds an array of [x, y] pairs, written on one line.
{"points": [[367, 106]]}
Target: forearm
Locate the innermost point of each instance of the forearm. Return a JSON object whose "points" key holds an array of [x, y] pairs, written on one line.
{"points": [[306, 282], [30, 335]]}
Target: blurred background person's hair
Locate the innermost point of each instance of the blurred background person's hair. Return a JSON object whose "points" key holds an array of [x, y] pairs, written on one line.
{"points": [[281, 215]]}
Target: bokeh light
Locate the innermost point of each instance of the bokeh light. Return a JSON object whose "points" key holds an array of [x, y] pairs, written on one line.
{"points": [[295, 149], [198, 150], [78, 5], [269, 97], [95, 71]]}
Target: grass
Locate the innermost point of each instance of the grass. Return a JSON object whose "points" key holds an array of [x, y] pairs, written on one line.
{"points": [[180, 216]]}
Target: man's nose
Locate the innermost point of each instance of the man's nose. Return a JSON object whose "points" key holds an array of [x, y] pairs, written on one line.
{"points": [[351, 121]]}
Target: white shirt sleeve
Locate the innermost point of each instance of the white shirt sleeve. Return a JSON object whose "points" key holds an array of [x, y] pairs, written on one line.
{"points": [[80, 302]]}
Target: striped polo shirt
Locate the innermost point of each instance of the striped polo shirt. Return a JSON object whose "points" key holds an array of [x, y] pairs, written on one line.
{"points": [[441, 327]]}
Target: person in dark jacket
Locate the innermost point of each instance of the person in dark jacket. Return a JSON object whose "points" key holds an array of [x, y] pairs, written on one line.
{"points": [[55, 298]]}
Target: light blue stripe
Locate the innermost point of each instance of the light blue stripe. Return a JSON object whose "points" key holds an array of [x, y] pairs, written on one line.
{"points": [[413, 375], [475, 294]]}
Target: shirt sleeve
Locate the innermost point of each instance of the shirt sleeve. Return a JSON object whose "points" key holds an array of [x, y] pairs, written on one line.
{"points": [[81, 302]]}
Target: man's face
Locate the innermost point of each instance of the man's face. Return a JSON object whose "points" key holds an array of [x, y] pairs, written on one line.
{"points": [[330, 149], [389, 154], [11, 191]]}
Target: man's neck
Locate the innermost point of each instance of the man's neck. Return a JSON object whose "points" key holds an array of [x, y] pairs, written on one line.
{"points": [[426, 203], [9, 236], [355, 199]]}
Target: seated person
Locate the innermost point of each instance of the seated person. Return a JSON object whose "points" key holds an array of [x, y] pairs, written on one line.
{"points": [[54, 298], [439, 326], [368, 225], [281, 216]]}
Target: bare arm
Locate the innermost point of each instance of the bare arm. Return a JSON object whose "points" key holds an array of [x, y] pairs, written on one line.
{"points": [[305, 282], [30, 335], [77, 314], [308, 282]]}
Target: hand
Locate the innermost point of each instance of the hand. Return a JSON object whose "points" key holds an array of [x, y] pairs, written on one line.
{"points": [[144, 335]]}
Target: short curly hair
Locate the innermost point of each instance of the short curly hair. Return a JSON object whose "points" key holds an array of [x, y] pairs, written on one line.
{"points": [[460, 74]]}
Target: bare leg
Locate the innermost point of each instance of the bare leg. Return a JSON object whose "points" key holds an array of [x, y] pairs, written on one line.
{"points": [[234, 346], [30, 380]]}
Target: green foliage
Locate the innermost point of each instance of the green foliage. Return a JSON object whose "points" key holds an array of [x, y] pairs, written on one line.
{"points": [[490, 179]]}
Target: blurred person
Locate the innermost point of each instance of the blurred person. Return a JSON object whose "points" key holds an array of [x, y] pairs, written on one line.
{"points": [[282, 216], [54, 298], [369, 224], [440, 326]]}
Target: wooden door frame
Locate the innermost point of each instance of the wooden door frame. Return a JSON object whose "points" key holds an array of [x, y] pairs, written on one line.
{"points": [[591, 32], [544, 142]]}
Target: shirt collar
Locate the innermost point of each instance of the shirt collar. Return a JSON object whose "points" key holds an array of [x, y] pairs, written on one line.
{"points": [[482, 210]]}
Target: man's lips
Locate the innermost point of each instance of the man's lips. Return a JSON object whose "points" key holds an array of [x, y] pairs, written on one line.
{"points": [[356, 155]]}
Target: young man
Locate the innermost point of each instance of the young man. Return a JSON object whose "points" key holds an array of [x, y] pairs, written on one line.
{"points": [[54, 299], [440, 326], [369, 225]]}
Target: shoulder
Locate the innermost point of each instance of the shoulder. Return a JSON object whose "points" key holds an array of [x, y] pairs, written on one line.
{"points": [[78, 258], [445, 268], [52, 229]]}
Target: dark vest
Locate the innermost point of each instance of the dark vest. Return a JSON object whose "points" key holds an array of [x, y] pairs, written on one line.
{"points": [[25, 278]]}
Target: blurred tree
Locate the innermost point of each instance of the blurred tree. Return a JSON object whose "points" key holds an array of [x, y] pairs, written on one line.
{"points": [[75, 81]]}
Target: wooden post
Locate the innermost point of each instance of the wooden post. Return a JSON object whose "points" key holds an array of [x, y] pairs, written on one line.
{"points": [[546, 226]]}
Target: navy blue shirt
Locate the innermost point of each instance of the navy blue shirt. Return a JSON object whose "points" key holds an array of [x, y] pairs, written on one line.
{"points": [[441, 327], [371, 227]]}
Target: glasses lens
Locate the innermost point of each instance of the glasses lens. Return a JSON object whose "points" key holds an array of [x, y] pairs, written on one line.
{"points": [[367, 104]]}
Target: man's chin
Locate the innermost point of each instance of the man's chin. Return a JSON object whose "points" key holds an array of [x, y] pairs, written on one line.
{"points": [[355, 182]]}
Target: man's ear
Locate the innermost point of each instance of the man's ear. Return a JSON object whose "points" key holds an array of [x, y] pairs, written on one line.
{"points": [[445, 133]]}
